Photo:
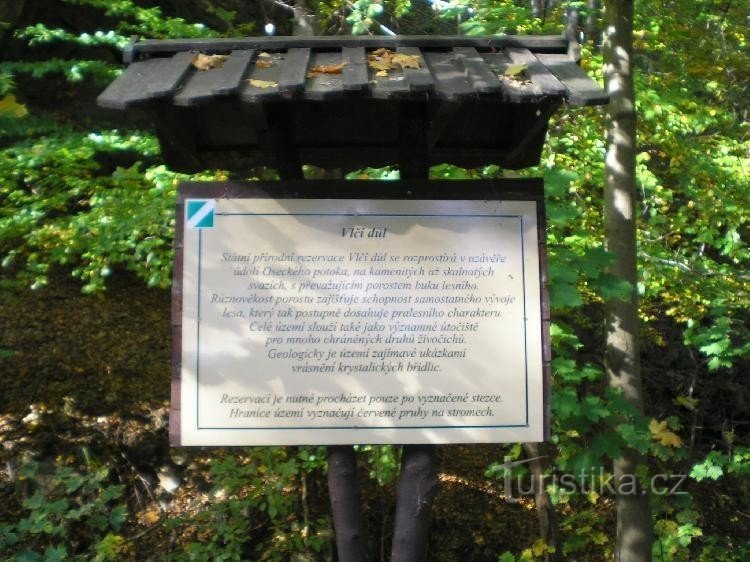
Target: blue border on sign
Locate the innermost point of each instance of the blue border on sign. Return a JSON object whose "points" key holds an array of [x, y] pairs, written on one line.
{"points": [[360, 428]]}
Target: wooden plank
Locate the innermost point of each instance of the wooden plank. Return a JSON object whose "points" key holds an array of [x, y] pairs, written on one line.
{"points": [[536, 71], [392, 85], [536, 43], [175, 404], [324, 85], [234, 70], [419, 79], [266, 71], [477, 71], [198, 88], [130, 87], [581, 90], [450, 80], [515, 89], [355, 69], [294, 71], [167, 78]]}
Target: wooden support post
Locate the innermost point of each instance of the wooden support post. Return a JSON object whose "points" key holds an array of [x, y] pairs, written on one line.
{"points": [[274, 127], [176, 136], [417, 487], [343, 488], [413, 158], [418, 481]]}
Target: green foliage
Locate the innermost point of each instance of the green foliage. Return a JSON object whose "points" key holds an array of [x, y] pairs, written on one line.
{"points": [[40, 34], [496, 18], [253, 509], [359, 16], [384, 462], [693, 247], [67, 515], [81, 218], [716, 464], [132, 19]]}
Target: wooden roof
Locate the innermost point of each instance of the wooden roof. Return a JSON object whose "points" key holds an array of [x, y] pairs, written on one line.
{"points": [[266, 105], [453, 68]]}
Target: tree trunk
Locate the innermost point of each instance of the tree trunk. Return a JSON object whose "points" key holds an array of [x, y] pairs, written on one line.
{"points": [[343, 488], [305, 20], [549, 530], [634, 527], [592, 23], [417, 487], [536, 8]]}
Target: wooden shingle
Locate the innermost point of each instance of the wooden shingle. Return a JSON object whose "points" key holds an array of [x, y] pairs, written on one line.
{"points": [[472, 112]]}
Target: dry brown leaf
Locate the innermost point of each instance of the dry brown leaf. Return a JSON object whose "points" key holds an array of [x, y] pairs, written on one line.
{"points": [[151, 516], [384, 60], [327, 69], [262, 83], [380, 60], [208, 62], [380, 63], [661, 433], [406, 61], [382, 73], [264, 63], [10, 106], [264, 54]]}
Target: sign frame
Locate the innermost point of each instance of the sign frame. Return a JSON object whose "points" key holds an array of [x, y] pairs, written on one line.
{"points": [[522, 189]]}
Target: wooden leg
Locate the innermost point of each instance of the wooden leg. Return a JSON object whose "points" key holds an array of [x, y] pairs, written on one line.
{"points": [[343, 488], [417, 487]]}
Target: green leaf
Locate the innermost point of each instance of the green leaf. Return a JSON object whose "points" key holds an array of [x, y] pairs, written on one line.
{"points": [[29, 556], [564, 295], [710, 468], [118, 516], [55, 554], [516, 69]]}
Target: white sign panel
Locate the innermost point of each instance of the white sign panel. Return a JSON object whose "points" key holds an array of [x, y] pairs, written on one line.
{"points": [[319, 321]]}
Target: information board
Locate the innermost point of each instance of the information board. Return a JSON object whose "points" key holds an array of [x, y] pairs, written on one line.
{"points": [[350, 320]]}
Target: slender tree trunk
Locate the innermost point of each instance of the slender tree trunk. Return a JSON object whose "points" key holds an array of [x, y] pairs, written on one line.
{"points": [[343, 488], [592, 22], [549, 530], [305, 20], [417, 486], [536, 8], [634, 526]]}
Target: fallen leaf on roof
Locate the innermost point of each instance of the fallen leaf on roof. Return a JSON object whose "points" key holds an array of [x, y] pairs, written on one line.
{"points": [[264, 54], [384, 60], [326, 69], [262, 83], [265, 62], [406, 61], [382, 73], [208, 62], [515, 69], [382, 64]]}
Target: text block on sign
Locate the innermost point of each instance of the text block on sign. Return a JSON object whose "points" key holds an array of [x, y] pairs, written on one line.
{"points": [[334, 321]]}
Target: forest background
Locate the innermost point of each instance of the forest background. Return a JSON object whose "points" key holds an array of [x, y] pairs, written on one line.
{"points": [[86, 231]]}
